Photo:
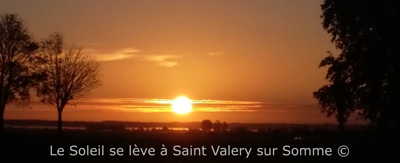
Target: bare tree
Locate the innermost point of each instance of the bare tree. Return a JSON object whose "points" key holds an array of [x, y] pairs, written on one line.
{"points": [[17, 57], [70, 74]]}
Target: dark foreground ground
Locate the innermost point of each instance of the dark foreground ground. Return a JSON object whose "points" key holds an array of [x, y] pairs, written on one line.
{"points": [[34, 145]]}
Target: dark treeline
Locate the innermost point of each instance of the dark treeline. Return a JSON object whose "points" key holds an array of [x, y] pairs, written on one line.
{"points": [[254, 127]]}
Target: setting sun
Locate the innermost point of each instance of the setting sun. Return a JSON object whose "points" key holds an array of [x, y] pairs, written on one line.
{"points": [[182, 105]]}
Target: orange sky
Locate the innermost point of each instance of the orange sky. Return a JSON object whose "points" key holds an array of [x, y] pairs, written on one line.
{"points": [[253, 50], [141, 109]]}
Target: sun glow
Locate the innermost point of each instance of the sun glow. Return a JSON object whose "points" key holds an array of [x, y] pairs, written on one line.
{"points": [[182, 105]]}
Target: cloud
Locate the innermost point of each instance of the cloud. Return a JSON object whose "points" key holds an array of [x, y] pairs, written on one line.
{"points": [[163, 60], [117, 55], [163, 105], [215, 54]]}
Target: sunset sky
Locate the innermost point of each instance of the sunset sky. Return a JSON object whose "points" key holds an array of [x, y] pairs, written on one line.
{"points": [[264, 52]]}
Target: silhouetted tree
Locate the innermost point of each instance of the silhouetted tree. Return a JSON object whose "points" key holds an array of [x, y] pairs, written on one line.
{"points": [[367, 71], [336, 97], [165, 128], [217, 126], [206, 125], [70, 74], [224, 127], [17, 62]]}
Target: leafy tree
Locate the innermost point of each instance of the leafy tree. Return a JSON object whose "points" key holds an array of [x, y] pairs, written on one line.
{"points": [[206, 125], [335, 97], [365, 76], [217, 126], [18, 62], [70, 74], [224, 126]]}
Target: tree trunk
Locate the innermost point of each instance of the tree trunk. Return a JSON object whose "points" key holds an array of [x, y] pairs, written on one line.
{"points": [[59, 126], [341, 126], [2, 121]]}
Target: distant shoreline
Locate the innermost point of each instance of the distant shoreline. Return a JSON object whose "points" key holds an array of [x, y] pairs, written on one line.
{"points": [[188, 125]]}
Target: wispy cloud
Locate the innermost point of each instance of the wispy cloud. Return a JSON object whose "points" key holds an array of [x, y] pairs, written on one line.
{"points": [[117, 55], [164, 60], [164, 105], [215, 54]]}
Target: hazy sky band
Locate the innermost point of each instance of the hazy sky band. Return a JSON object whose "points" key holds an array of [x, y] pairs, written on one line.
{"points": [[149, 110], [153, 105]]}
